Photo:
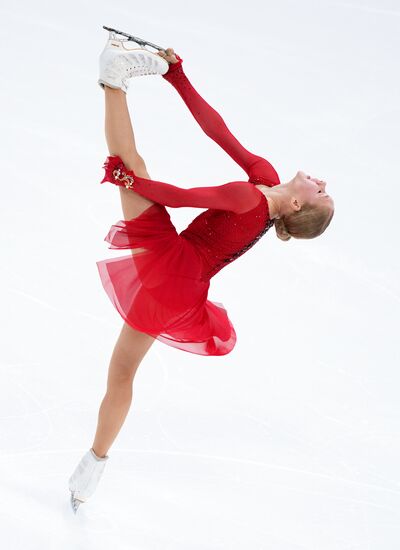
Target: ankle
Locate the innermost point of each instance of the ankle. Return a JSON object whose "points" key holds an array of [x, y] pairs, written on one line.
{"points": [[110, 89], [98, 454]]}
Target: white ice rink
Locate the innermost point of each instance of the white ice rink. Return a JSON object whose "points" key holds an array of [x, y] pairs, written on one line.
{"points": [[290, 442]]}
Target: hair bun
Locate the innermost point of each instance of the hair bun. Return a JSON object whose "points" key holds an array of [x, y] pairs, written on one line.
{"points": [[281, 230]]}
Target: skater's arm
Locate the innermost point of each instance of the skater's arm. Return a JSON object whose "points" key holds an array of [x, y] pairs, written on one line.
{"points": [[233, 196], [214, 127], [236, 196]]}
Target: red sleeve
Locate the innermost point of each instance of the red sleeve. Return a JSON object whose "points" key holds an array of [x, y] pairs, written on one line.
{"points": [[262, 171], [236, 196], [257, 168]]}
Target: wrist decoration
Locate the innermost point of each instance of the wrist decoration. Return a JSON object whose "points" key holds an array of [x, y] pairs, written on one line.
{"points": [[129, 181]]}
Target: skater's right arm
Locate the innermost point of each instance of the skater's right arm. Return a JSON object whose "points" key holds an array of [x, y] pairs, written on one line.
{"points": [[257, 168]]}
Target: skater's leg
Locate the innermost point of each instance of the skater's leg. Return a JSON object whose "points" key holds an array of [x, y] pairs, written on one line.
{"points": [[121, 141], [129, 351]]}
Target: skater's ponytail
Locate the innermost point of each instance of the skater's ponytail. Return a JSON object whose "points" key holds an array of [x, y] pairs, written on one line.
{"points": [[307, 223]]}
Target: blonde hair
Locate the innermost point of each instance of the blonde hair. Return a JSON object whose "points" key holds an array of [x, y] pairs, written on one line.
{"points": [[307, 223]]}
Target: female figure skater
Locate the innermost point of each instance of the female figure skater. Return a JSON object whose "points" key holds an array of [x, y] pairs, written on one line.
{"points": [[160, 289]]}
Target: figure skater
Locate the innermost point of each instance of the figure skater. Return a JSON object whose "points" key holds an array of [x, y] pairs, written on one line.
{"points": [[160, 289]]}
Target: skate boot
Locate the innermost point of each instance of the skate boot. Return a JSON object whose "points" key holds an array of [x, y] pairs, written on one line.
{"points": [[85, 478], [121, 60]]}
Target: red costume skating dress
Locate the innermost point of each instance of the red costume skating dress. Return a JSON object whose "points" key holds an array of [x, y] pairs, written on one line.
{"points": [[161, 287]]}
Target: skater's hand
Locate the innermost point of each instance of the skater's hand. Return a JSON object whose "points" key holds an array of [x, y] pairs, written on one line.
{"points": [[168, 55]]}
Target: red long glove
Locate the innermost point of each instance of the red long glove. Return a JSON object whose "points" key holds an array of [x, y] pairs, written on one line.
{"points": [[237, 196], [257, 168]]}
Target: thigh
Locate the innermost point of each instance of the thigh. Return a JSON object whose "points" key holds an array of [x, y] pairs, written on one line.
{"points": [[129, 350]]}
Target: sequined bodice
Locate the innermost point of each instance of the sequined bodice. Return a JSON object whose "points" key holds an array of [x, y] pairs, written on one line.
{"points": [[221, 236]]}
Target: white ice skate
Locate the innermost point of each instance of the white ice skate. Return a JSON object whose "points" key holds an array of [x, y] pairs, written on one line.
{"points": [[121, 60], [83, 482]]}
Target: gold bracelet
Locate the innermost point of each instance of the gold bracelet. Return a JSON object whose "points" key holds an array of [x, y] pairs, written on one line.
{"points": [[125, 177]]}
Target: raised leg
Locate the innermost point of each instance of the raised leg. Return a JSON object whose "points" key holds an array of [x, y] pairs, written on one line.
{"points": [[128, 353], [121, 141]]}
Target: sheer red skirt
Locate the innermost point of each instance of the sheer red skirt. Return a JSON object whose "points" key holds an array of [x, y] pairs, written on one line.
{"points": [[157, 289]]}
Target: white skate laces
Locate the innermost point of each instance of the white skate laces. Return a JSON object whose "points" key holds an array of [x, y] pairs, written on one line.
{"points": [[120, 61], [85, 478]]}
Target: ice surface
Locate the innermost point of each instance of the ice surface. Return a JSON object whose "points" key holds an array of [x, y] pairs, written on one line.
{"points": [[290, 442]]}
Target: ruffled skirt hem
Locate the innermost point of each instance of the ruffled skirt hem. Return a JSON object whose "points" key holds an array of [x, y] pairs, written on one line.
{"points": [[158, 288]]}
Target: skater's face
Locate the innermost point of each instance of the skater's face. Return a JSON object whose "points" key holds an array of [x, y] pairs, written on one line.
{"points": [[311, 190]]}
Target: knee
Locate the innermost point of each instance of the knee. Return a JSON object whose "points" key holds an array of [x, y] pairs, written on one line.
{"points": [[121, 377]]}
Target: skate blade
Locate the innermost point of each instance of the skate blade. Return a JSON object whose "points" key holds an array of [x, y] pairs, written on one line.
{"points": [[75, 503], [139, 41]]}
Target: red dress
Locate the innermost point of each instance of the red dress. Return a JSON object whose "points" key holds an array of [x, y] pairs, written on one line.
{"points": [[161, 287]]}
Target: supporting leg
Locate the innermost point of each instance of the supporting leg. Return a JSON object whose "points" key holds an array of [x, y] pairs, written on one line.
{"points": [[128, 353]]}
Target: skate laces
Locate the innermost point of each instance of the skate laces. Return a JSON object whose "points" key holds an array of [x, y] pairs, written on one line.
{"points": [[137, 63]]}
